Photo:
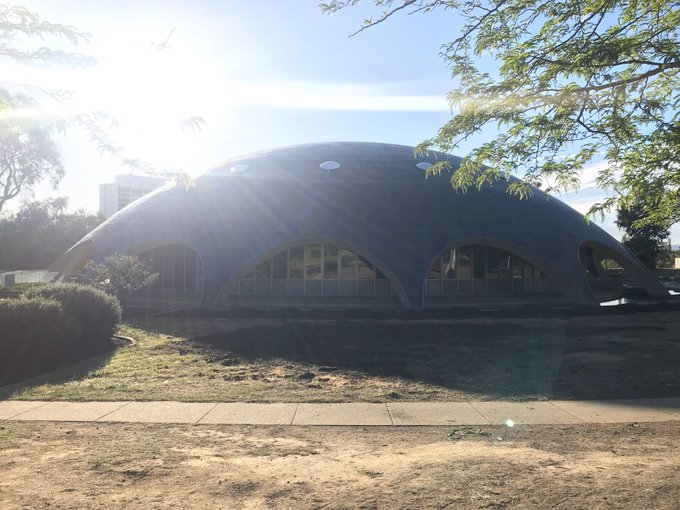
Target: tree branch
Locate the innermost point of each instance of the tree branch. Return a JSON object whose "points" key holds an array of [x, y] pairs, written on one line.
{"points": [[385, 16]]}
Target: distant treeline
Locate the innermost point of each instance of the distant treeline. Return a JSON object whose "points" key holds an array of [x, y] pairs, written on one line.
{"points": [[40, 232]]}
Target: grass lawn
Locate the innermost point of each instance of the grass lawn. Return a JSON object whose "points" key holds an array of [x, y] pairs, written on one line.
{"points": [[271, 360]]}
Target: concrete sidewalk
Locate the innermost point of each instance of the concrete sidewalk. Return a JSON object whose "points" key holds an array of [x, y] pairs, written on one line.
{"points": [[391, 414]]}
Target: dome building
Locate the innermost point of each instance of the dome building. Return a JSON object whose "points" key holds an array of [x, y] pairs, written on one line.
{"points": [[355, 224]]}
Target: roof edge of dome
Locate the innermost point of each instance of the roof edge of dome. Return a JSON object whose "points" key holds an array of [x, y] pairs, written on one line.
{"points": [[331, 145]]}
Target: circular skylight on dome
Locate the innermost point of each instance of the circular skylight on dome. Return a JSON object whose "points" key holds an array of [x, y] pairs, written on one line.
{"points": [[237, 169], [329, 165], [424, 165]]}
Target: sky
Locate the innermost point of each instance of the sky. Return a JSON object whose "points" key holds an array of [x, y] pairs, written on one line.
{"points": [[262, 74]]}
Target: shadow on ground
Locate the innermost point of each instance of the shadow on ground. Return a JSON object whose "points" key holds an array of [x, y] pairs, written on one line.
{"points": [[566, 358], [74, 366]]}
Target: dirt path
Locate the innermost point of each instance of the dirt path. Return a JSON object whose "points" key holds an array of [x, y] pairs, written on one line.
{"points": [[136, 466]]}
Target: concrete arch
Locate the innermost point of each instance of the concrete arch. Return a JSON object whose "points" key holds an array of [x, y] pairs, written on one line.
{"points": [[629, 263], [228, 287], [73, 261], [571, 291], [139, 249]]}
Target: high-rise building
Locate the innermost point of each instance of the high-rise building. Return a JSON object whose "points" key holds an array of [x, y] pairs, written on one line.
{"points": [[125, 190]]}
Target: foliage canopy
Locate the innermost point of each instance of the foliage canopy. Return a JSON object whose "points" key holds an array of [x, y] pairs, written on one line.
{"points": [[40, 232], [27, 153], [647, 242], [119, 275], [563, 83]]}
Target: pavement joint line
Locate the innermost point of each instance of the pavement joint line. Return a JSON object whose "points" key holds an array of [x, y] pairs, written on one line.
{"points": [[389, 413], [292, 420], [113, 411], [669, 413], [206, 413], [472, 404], [27, 410], [565, 411]]}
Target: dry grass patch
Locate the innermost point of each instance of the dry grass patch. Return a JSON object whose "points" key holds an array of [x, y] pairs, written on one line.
{"points": [[375, 361]]}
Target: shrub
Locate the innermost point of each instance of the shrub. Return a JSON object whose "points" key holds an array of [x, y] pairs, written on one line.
{"points": [[119, 275], [52, 325], [17, 289], [34, 335], [96, 314]]}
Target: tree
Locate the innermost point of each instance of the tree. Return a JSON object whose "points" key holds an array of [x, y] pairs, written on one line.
{"points": [[666, 259], [21, 126], [573, 80], [18, 23], [27, 153], [647, 242], [40, 232], [119, 275]]}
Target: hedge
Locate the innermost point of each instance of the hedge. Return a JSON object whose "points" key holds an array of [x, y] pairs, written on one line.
{"points": [[53, 325], [96, 313]]}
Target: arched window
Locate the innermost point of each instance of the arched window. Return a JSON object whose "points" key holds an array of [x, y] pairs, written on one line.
{"points": [[179, 267], [613, 275], [483, 270], [303, 273], [604, 270]]}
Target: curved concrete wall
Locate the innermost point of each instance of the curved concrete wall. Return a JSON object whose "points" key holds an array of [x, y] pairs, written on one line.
{"points": [[377, 201]]}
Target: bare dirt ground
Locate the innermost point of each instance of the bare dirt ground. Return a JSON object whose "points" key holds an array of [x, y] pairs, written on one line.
{"points": [[82, 466]]}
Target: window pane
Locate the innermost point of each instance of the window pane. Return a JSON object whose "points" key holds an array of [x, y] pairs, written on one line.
{"points": [[435, 270], [263, 287], [516, 267], [492, 258], [348, 287], [464, 263], [178, 262], [313, 287], [364, 269], [365, 287], [247, 287], [296, 263], [330, 262], [348, 264], [331, 287], [313, 261], [449, 287], [504, 262], [280, 287], [264, 270], [478, 261], [433, 288], [166, 269], [280, 263], [191, 270], [449, 265]]}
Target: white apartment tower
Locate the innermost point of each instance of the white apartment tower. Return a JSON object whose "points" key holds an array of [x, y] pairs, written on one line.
{"points": [[125, 190]]}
